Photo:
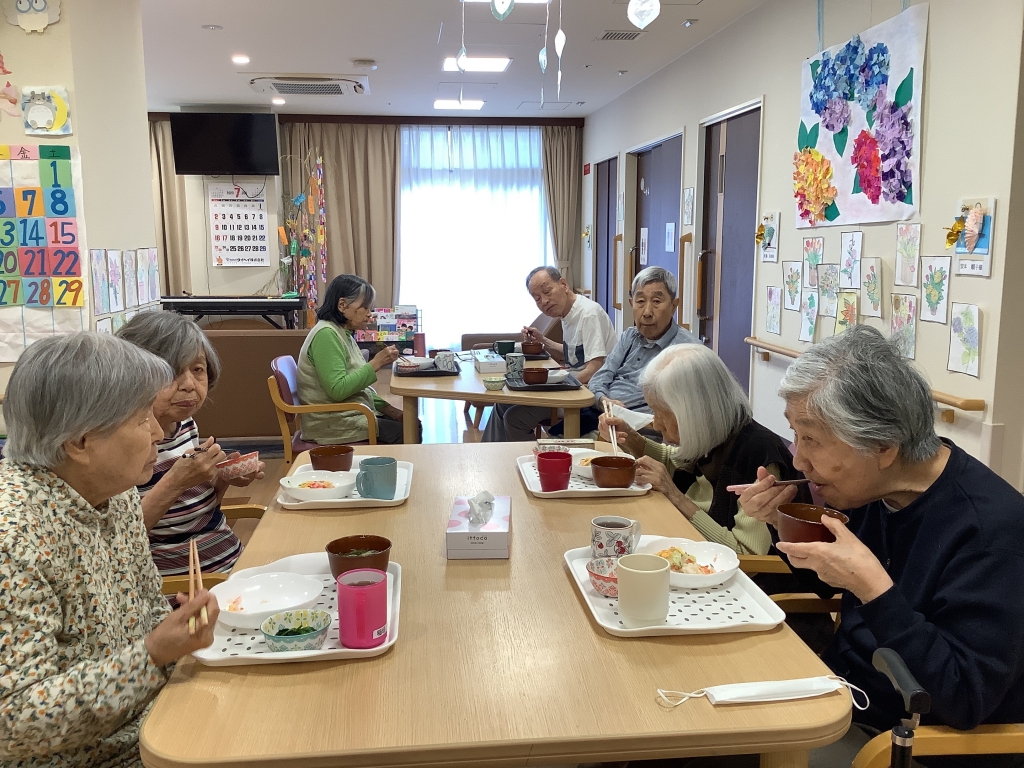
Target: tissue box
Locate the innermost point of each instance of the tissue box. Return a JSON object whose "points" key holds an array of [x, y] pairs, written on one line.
{"points": [[487, 361], [491, 540]]}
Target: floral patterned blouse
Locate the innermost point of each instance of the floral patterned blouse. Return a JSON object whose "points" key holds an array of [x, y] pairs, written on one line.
{"points": [[78, 594]]}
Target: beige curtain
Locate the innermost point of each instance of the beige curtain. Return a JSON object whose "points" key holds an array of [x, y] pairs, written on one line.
{"points": [[563, 181], [360, 195], [171, 219]]}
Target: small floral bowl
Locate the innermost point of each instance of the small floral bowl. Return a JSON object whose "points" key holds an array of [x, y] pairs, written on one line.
{"points": [[494, 382], [603, 577], [320, 621], [550, 449]]}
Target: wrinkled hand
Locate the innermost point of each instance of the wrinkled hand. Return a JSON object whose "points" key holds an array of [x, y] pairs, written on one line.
{"points": [[607, 402], [170, 640], [197, 467], [761, 500], [654, 472], [384, 358], [532, 334], [846, 563], [622, 429], [244, 480]]}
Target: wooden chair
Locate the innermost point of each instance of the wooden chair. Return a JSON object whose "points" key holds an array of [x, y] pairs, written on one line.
{"points": [[172, 585], [283, 387]]}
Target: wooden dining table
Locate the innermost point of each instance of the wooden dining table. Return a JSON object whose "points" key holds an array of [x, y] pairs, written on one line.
{"points": [[497, 662], [469, 386]]}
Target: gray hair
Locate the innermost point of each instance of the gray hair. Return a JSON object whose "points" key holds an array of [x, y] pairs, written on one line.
{"points": [[654, 275], [173, 338], [693, 383], [861, 389], [553, 273], [65, 387]]}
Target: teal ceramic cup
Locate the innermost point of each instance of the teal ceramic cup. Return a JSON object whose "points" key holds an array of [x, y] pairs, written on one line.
{"points": [[504, 347], [377, 478]]}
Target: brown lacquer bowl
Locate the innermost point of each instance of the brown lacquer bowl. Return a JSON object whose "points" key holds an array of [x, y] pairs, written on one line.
{"points": [[613, 471], [802, 522], [353, 552], [532, 348], [332, 458], [535, 375]]}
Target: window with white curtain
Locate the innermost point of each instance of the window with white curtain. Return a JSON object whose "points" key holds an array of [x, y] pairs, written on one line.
{"points": [[473, 222]]}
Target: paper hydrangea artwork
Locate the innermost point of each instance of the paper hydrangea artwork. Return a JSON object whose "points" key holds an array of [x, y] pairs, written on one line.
{"points": [[934, 288], [828, 289], [791, 274], [858, 147], [871, 287], [904, 323], [964, 340]]}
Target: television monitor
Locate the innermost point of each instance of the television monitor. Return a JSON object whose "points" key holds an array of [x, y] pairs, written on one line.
{"points": [[224, 144]]}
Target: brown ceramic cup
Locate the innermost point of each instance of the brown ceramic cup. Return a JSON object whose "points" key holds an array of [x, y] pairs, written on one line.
{"points": [[332, 458], [613, 471], [535, 375], [342, 561], [802, 523], [532, 348]]}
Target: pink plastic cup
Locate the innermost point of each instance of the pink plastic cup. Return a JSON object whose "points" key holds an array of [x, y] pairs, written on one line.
{"points": [[554, 469], [363, 608]]}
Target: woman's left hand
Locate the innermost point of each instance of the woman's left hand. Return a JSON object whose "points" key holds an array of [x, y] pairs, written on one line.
{"points": [[244, 480], [846, 563], [654, 472]]}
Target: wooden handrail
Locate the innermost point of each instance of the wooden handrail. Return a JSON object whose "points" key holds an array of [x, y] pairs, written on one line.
{"points": [[960, 403]]}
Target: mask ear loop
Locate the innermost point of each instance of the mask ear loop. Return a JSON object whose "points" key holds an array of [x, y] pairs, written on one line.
{"points": [[852, 687], [675, 698]]}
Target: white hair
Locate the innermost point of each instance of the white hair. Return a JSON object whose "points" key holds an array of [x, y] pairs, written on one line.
{"points": [[861, 388], [65, 387], [708, 403], [654, 275]]}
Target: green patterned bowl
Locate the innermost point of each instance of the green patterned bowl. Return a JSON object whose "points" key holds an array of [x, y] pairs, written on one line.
{"points": [[494, 382], [320, 621]]}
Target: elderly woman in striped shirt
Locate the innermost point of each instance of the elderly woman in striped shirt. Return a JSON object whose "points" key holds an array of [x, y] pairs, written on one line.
{"points": [[182, 501]]}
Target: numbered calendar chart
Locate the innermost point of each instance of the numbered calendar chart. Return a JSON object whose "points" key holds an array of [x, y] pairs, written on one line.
{"points": [[238, 226], [41, 285]]}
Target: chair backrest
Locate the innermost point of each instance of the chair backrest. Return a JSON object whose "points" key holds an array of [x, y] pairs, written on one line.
{"points": [[285, 371]]}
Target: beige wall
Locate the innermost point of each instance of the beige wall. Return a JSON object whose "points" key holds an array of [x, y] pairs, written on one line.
{"points": [[966, 153]]}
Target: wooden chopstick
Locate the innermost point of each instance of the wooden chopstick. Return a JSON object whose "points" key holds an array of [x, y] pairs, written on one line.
{"points": [[741, 488], [195, 581], [611, 429]]}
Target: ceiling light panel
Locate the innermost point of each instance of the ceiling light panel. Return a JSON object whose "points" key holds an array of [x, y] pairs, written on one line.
{"points": [[470, 104], [240, 58], [478, 64]]}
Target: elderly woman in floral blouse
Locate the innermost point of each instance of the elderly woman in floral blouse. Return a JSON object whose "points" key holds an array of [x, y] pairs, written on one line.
{"points": [[86, 638]]}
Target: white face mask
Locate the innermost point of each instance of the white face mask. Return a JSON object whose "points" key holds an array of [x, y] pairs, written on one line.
{"points": [[769, 690]]}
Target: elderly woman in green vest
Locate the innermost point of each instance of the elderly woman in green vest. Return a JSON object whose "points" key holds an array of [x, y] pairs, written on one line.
{"points": [[332, 369]]}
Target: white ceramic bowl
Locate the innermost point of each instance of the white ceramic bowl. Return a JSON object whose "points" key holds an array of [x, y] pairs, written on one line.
{"points": [[584, 453], [264, 595], [422, 363], [724, 560], [343, 483], [557, 376]]}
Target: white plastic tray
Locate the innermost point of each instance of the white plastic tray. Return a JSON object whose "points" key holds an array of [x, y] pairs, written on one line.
{"points": [[739, 605], [402, 487], [579, 487], [234, 647]]}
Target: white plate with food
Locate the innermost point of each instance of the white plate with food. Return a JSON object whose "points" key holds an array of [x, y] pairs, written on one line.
{"points": [[403, 487], [693, 563], [581, 458], [319, 485], [247, 603]]}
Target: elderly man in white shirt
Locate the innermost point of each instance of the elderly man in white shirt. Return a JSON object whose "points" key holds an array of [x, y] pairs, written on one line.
{"points": [[588, 336]]}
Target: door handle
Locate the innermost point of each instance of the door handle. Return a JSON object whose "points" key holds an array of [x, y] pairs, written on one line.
{"points": [[702, 283]]}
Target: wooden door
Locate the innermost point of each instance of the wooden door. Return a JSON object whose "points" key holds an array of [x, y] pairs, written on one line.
{"points": [[729, 256], [607, 174]]}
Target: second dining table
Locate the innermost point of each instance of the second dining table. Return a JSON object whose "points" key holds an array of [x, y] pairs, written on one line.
{"points": [[469, 386], [497, 662]]}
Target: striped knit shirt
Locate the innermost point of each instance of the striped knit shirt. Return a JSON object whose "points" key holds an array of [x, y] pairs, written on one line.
{"points": [[195, 514]]}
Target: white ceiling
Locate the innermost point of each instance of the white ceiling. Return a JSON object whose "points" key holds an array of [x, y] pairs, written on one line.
{"points": [[187, 65]]}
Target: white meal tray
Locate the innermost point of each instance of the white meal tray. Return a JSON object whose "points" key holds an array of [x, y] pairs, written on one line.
{"points": [[579, 487], [234, 647], [402, 488], [738, 605]]}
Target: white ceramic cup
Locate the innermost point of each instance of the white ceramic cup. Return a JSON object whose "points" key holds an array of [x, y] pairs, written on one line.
{"points": [[612, 536], [515, 362], [445, 361], [643, 590]]}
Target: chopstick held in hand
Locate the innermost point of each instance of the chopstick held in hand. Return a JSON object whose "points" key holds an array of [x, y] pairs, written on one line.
{"points": [[195, 582], [742, 488]]}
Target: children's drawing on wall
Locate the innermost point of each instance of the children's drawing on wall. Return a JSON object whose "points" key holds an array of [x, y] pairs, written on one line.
{"points": [[828, 289], [45, 110], [858, 146], [814, 250], [847, 315], [908, 249], [808, 315], [964, 339], [849, 264], [791, 271], [767, 237], [871, 287], [903, 328], [934, 288], [773, 319]]}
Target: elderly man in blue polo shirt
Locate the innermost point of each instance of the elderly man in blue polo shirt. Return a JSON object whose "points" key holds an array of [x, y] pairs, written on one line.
{"points": [[654, 301]]}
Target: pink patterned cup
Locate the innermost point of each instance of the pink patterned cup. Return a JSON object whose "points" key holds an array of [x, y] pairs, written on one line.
{"points": [[363, 608]]}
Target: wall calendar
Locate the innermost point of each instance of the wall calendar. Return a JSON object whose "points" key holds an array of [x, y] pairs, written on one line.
{"points": [[238, 226]]}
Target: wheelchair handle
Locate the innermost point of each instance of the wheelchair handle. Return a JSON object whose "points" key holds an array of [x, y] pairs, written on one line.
{"points": [[915, 698]]}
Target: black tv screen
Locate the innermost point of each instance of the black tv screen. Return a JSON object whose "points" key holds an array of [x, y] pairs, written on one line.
{"points": [[224, 143]]}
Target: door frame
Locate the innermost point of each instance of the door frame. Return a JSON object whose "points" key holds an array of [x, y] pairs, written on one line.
{"points": [[698, 208], [629, 221], [593, 226]]}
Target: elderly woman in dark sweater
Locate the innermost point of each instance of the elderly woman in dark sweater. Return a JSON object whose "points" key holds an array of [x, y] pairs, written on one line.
{"points": [[711, 443]]}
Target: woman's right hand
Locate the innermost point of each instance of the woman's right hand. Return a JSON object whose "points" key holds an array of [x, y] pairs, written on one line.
{"points": [[196, 468], [628, 437], [170, 640], [761, 500], [384, 358]]}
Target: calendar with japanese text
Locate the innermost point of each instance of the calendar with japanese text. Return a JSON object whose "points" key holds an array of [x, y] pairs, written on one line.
{"points": [[238, 225]]}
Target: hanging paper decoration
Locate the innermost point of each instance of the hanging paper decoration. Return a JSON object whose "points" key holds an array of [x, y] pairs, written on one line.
{"points": [[542, 57], [559, 47], [321, 229], [642, 12], [502, 8], [460, 60]]}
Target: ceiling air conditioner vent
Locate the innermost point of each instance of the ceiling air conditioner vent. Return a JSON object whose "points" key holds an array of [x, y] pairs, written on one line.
{"points": [[312, 85], [619, 34]]}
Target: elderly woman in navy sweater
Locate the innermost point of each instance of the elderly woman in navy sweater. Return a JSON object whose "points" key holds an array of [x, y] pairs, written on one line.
{"points": [[932, 562]]}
